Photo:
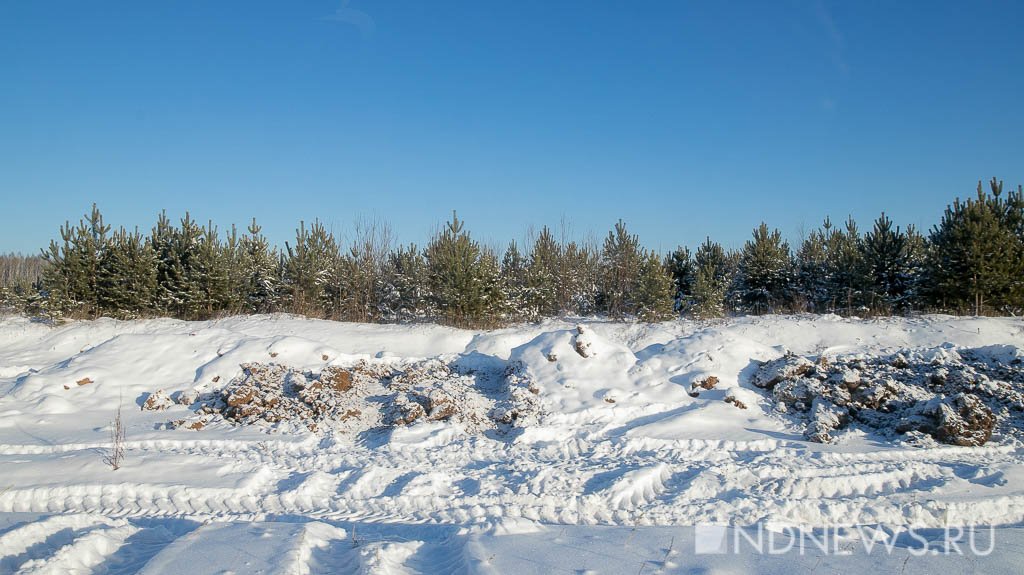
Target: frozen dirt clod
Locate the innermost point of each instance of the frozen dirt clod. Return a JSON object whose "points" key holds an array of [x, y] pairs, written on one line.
{"points": [[964, 420], [787, 367], [583, 341], [733, 400], [706, 383], [187, 397], [157, 401]]}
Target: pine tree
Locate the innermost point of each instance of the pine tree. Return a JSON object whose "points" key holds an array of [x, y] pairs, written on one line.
{"points": [[680, 266], [464, 279], [620, 265], [515, 287], [126, 283], [361, 272], [545, 282], [847, 270], [260, 271], [235, 300], [712, 277], [655, 290], [976, 260], [887, 255], [766, 272], [179, 289], [210, 274], [917, 256], [404, 291], [61, 260], [310, 271], [578, 280], [812, 270], [70, 277]]}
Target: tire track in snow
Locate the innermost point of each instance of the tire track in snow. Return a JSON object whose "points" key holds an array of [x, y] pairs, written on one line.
{"points": [[696, 480], [84, 552]]}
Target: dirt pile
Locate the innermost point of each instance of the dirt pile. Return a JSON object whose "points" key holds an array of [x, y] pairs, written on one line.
{"points": [[369, 396], [959, 397]]}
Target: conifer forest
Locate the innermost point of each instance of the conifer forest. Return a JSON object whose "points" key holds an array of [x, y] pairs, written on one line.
{"points": [[970, 262]]}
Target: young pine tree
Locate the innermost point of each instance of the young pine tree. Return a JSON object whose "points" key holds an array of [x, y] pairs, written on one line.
{"points": [[211, 273], [514, 286], [544, 277], [180, 292], [362, 271], [712, 277], [620, 266], [579, 276], [655, 290], [404, 293], [310, 271], [464, 278], [766, 274], [680, 266], [976, 261], [812, 281], [72, 270], [887, 256], [847, 269], [259, 271], [126, 283], [917, 255]]}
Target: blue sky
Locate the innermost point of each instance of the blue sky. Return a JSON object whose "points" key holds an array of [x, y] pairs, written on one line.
{"points": [[685, 119]]}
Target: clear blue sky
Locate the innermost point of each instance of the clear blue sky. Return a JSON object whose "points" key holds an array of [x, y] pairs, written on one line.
{"points": [[685, 119]]}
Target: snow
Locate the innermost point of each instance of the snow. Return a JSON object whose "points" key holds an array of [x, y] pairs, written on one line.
{"points": [[612, 466]]}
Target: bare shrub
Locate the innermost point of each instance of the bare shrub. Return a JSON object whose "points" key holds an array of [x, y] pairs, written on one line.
{"points": [[115, 455]]}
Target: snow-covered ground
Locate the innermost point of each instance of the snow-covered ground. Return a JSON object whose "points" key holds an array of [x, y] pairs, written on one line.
{"points": [[612, 465]]}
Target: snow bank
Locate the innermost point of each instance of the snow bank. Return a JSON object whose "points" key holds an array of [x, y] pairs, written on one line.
{"points": [[632, 425]]}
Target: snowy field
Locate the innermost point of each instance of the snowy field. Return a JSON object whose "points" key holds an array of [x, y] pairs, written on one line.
{"points": [[536, 449]]}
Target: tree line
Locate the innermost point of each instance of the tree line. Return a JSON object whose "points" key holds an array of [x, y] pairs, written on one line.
{"points": [[972, 261]]}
